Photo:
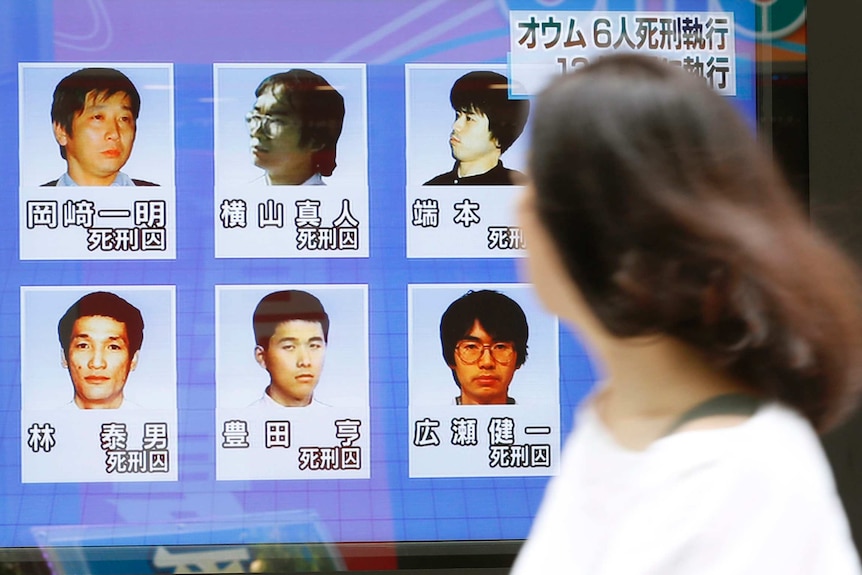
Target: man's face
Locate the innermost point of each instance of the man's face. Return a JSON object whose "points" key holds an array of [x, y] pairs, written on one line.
{"points": [[99, 361], [486, 380], [471, 139], [275, 141], [101, 140], [294, 360]]}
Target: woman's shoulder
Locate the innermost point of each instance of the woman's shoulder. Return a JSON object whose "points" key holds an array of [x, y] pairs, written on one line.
{"points": [[773, 440], [772, 461], [776, 438]]}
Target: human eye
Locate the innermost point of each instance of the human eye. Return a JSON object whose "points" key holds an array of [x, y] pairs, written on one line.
{"points": [[470, 346], [81, 345], [288, 347]]}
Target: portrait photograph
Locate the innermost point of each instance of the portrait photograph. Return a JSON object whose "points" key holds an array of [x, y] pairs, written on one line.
{"points": [[98, 347], [444, 316], [291, 346], [440, 139], [290, 124], [96, 124]]}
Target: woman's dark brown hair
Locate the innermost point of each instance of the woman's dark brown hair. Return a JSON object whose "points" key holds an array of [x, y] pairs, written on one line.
{"points": [[671, 219]]}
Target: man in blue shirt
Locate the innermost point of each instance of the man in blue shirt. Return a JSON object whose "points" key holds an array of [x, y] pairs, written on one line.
{"points": [[94, 114]]}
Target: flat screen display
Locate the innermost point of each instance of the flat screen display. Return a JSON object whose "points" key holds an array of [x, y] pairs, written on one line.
{"points": [[260, 263]]}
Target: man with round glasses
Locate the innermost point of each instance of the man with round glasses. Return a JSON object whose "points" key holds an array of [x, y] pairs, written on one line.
{"points": [[483, 335], [294, 127]]}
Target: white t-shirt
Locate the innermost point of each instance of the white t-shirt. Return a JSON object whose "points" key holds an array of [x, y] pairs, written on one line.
{"points": [[315, 180], [127, 405], [754, 499], [267, 402]]}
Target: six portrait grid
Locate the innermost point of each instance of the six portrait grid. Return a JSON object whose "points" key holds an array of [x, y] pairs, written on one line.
{"points": [[154, 142]]}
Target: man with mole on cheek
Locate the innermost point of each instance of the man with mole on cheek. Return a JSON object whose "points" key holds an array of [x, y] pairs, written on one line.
{"points": [[100, 335]]}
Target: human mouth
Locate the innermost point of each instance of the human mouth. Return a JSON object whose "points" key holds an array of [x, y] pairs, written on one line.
{"points": [[112, 153]]}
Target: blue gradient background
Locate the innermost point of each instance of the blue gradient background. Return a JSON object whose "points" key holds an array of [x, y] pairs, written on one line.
{"points": [[193, 34]]}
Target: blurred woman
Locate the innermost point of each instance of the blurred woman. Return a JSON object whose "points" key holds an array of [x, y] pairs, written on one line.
{"points": [[728, 331]]}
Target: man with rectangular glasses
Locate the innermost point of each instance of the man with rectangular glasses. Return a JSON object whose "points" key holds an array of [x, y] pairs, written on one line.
{"points": [[294, 127]]}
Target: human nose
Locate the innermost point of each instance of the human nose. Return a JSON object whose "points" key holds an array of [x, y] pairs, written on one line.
{"points": [[112, 132], [256, 128], [258, 125], [97, 360], [458, 124], [303, 357], [485, 357]]}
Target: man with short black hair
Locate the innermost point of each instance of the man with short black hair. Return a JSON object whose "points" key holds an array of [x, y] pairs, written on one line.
{"points": [[487, 123], [94, 114], [291, 330], [483, 335], [101, 335]]}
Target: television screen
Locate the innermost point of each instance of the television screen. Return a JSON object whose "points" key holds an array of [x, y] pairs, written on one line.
{"points": [[261, 253]]}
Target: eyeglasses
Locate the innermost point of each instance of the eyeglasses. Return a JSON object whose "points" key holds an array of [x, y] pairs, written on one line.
{"points": [[271, 126], [471, 351]]}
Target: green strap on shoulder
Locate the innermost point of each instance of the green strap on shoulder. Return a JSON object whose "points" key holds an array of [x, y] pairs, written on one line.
{"points": [[728, 404]]}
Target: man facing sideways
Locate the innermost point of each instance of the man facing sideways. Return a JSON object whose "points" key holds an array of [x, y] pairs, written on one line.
{"points": [[483, 335], [486, 124], [294, 127], [94, 114], [101, 335], [291, 330]]}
